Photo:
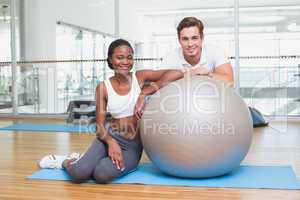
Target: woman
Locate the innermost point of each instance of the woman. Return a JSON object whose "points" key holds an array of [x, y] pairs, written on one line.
{"points": [[117, 148]]}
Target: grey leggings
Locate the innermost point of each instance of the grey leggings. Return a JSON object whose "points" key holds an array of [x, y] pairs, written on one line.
{"points": [[96, 164]]}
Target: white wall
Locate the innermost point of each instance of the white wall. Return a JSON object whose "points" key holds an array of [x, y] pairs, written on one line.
{"points": [[5, 42], [40, 17], [38, 34], [94, 14], [130, 22]]}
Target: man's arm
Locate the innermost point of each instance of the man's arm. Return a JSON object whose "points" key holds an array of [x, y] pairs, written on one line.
{"points": [[224, 73]]}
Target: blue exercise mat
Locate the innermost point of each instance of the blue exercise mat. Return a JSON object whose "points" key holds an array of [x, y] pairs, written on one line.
{"points": [[50, 128], [269, 177]]}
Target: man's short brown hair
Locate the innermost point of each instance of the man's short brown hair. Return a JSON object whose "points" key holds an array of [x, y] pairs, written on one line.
{"points": [[189, 22]]}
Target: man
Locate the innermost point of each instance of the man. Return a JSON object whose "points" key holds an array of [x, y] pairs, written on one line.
{"points": [[193, 57], [197, 57]]}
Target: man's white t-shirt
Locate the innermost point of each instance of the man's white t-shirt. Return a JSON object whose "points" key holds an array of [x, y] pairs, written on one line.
{"points": [[211, 57]]}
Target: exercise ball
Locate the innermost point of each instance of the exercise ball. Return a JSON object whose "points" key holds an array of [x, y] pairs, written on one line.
{"points": [[196, 127]]}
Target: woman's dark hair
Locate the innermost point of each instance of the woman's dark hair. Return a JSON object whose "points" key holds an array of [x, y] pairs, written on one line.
{"points": [[115, 44]]}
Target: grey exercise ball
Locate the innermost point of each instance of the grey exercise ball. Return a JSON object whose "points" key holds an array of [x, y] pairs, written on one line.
{"points": [[196, 127]]}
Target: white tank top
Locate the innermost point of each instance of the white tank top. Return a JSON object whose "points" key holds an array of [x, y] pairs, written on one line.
{"points": [[120, 106]]}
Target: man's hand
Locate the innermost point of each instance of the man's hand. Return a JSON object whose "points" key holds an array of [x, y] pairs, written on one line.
{"points": [[196, 70], [115, 154]]}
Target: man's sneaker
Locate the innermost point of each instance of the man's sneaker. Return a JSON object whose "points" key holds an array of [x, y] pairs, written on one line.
{"points": [[55, 161]]}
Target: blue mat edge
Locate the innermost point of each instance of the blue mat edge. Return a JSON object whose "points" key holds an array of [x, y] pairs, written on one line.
{"points": [[294, 187], [59, 127]]}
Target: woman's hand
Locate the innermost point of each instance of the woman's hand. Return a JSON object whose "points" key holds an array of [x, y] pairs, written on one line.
{"points": [[115, 154], [138, 109]]}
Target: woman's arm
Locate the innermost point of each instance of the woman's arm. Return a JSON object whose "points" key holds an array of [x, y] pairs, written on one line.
{"points": [[149, 75], [158, 78], [114, 149], [167, 77], [101, 102]]}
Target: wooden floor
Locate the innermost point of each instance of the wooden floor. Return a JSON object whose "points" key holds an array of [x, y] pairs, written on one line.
{"points": [[278, 144]]}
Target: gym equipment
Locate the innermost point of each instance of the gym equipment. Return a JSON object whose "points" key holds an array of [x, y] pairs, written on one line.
{"points": [[196, 127], [247, 176], [257, 118], [81, 112]]}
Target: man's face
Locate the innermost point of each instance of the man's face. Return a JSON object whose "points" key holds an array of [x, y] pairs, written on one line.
{"points": [[190, 41]]}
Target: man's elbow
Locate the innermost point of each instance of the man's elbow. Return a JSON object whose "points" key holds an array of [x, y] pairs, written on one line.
{"points": [[230, 83], [230, 80]]}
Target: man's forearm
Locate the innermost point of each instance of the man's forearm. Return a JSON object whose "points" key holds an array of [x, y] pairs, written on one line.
{"points": [[224, 73], [222, 77]]}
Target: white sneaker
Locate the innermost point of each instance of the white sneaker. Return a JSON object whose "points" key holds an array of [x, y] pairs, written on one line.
{"points": [[55, 161]]}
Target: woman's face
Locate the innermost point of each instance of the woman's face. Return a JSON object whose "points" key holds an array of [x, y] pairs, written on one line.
{"points": [[122, 59]]}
